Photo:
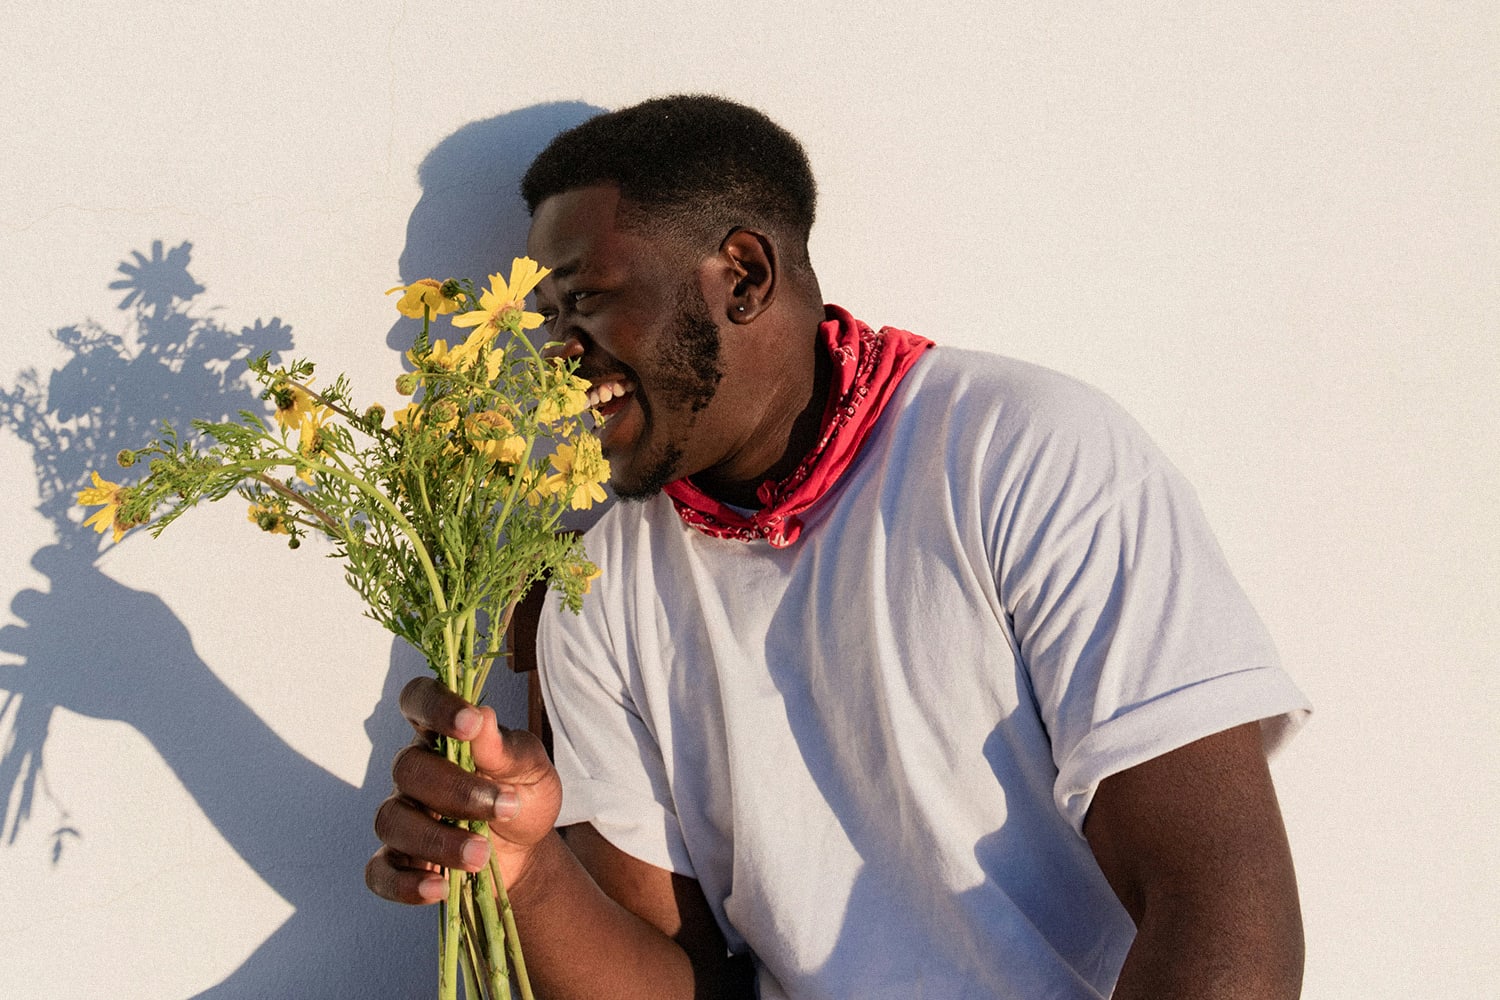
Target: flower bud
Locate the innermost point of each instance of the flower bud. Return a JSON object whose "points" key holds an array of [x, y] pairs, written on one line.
{"points": [[374, 417], [126, 458], [407, 384]]}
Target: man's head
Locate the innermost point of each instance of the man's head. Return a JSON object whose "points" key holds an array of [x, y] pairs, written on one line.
{"points": [[689, 168], [666, 224]]}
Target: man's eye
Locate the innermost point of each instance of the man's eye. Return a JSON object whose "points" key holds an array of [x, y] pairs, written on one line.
{"points": [[577, 297]]}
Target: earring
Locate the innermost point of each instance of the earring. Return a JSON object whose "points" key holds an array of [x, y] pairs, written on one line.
{"points": [[739, 308]]}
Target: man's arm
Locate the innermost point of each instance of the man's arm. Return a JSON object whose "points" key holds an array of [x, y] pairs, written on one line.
{"points": [[1193, 844], [594, 921]]}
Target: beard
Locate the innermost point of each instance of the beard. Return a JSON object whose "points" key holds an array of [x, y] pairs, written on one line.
{"points": [[688, 378]]}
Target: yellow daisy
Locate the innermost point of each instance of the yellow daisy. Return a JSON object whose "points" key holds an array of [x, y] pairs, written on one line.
{"points": [[424, 295], [582, 468], [505, 302], [293, 404], [112, 496], [269, 519], [490, 432], [405, 417], [585, 571], [568, 399], [461, 357], [310, 443]]}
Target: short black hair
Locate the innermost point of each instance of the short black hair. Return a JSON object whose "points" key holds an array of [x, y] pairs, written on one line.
{"points": [[694, 165]]}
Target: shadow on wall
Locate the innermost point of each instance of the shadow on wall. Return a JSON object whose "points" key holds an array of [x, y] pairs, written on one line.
{"points": [[470, 222], [305, 832]]}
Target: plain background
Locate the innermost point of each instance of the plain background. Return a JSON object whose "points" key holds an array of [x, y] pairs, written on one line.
{"points": [[1269, 230]]}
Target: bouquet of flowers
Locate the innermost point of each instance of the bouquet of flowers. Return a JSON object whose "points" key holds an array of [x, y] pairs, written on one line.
{"points": [[445, 514]]}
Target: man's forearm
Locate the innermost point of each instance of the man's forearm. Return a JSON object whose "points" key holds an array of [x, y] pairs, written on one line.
{"points": [[580, 943]]}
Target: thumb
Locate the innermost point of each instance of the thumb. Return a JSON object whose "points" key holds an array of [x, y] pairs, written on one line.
{"points": [[507, 754]]}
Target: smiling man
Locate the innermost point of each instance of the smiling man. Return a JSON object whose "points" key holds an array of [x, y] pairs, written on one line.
{"points": [[912, 671]]}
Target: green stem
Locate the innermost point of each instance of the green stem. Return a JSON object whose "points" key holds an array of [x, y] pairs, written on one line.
{"points": [[470, 688], [495, 937], [281, 489], [497, 632], [451, 937], [515, 490], [478, 968], [512, 939], [370, 490], [472, 990], [323, 400]]}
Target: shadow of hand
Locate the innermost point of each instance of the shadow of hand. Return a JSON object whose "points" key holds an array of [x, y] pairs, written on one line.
{"points": [[94, 646]]}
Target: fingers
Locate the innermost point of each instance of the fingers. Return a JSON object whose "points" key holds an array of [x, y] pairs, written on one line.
{"points": [[443, 787], [511, 768], [425, 841], [394, 876], [432, 708]]}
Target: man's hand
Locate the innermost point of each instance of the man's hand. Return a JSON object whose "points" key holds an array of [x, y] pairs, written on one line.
{"points": [[514, 788], [647, 933]]}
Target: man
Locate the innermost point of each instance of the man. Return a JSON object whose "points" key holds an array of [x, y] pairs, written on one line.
{"points": [[912, 673]]}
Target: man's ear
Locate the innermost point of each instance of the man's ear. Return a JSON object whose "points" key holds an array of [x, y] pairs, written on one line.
{"points": [[752, 270]]}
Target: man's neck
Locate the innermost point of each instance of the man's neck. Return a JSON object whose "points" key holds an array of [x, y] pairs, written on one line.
{"points": [[806, 405]]}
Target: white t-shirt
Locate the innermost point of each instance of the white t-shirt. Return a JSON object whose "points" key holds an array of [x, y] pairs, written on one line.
{"points": [[875, 749]]}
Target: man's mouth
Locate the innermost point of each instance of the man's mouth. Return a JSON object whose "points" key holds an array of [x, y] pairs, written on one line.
{"points": [[608, 395]]}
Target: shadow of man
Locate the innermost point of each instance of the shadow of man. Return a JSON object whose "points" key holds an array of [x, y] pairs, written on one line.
{"points": [[305, 831]]}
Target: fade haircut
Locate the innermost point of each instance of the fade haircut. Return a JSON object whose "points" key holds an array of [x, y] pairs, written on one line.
{"points": [[690, 167]]}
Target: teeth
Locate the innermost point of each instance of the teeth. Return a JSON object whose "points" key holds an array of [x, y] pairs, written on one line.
{"points": [[603, 392]]}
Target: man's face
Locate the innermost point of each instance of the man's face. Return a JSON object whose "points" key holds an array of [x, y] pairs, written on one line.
{"points": [[629, 307]]}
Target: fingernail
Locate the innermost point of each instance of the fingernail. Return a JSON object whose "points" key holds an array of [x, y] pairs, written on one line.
{"points": [[476, 853], [507, 804], [433, 888], [466, 720]]}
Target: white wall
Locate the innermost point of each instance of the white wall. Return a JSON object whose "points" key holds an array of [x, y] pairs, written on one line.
{"points": [[1269, 230]]}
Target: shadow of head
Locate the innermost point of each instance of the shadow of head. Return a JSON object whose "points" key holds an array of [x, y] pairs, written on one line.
{"points": [[471, 220]]}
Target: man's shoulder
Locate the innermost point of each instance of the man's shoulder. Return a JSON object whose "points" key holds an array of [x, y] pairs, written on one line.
{"points": [[963, 387]]}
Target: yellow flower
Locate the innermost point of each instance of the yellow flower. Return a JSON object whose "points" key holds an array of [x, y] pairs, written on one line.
{"points": [[441, 415], [580, 467], [465, 353], [112, 496], [293, 403], [490, 433], [585, 571], [569, 399], [438, 356], [427, 294], [405, 417], [505, 302], [269, 519], [461, 357], [310, 444]]}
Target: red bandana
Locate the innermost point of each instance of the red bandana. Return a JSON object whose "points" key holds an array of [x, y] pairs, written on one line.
{"points": [[868, 365]]}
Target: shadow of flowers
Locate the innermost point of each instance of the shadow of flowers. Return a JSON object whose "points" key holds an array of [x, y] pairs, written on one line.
{"points": [[304, 831]]}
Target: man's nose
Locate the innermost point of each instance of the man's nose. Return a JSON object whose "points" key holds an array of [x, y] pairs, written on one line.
{"points": [[567, 348]]}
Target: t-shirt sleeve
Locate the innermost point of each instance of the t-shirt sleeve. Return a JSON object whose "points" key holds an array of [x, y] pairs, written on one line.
{"points": [[610, 763], [1135, 636]]}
